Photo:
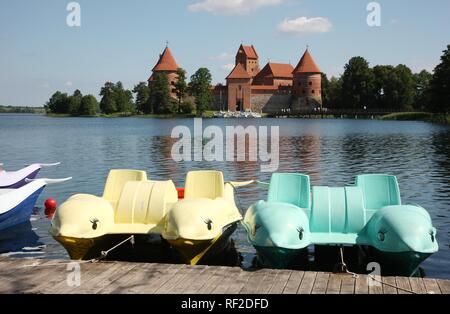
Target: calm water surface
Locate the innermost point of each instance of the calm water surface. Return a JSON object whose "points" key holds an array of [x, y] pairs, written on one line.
{"points": [[332, 152]]}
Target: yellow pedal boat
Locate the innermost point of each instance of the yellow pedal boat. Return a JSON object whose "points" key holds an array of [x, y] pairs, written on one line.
{"points": [[199, 226], [87, 225]]}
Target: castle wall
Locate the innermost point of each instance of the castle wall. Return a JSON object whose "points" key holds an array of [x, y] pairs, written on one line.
{"points": [[270, 102]]}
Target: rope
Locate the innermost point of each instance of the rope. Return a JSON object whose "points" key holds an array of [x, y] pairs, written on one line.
{"points": [[355, 275], [236, 192], [102, 256]]}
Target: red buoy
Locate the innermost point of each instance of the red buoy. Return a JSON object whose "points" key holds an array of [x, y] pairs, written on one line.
{"points": [[50, 208]]}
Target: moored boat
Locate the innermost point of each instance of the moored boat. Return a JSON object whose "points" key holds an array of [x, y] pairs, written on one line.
{"points": [[17, 179], [368, 214], [199, 226], [16, 205]]}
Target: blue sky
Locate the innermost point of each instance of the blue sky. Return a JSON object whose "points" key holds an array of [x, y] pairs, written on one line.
{"points": [[121, 40]]}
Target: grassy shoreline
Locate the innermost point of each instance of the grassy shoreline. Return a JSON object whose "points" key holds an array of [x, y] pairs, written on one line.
{"points": [[400, 116], [418, 116]]}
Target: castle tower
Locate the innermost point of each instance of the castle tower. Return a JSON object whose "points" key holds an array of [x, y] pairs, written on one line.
{"points": [[249, 59], [166, 64], [239, 89], [307, 88]]}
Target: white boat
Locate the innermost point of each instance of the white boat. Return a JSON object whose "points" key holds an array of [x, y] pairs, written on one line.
{"points": [[17, 179]]}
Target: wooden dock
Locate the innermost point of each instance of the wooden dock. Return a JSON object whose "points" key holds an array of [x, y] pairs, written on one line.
{"points": [[34, 276]]}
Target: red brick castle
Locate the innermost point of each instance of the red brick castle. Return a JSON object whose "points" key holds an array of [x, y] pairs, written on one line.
{"points": [[275, 87]]}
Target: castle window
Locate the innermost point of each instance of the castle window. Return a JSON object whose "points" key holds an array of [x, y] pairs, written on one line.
{"points": [[174, 90], [310, 83], [299, 83], [240, 87], [313, 91], [304, 92], [173, 82]]}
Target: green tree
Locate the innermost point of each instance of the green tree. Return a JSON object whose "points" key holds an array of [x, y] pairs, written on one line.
{"points": [[325, 91], [383, 87], [89, 106], [422, 82], [440, 85], [357, 84], [335, 93], [405, 87], [201, 89], [58, 103], [108, 103], [123, 98], [142, 92], [75, 103], [181, 87], [159, 100]]}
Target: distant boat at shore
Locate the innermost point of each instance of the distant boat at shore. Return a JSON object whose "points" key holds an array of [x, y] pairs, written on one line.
{"points": [[236, 114]]}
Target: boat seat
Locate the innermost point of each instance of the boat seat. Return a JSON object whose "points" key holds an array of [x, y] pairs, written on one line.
{"points": [[290, 188], [145, 202], [337, 210], [116, 182], [204, 184], [379, 190]]}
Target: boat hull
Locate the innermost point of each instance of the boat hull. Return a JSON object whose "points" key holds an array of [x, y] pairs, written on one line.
{"points": [[276, 257], [197, 252], [399, 264], [21, 213], [146, 248]]}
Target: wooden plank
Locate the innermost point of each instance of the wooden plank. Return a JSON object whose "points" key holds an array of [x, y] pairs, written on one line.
{"points": [[307, 284], [375, 284], [256, 279], [294, 282], [201, 281], [362, 285], [119, 279], [237, 285], [444, 285], [280, 282], [233, 273], [431, 286], [389, 287], [219, 275], [20, 275], [403, 284], [334, 284], [153, 280], [321, 283], [417, 285], [348, 284], [175, 280], [269, 281], [191, 276]]}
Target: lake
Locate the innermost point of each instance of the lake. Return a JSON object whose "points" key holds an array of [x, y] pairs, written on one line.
{"points": [[332, 152]]}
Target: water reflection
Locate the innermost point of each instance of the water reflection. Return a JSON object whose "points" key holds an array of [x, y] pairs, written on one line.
{"points": [[332, 152]]}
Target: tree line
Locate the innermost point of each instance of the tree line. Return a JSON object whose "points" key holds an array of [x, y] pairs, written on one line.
{"points": [[389, 87], [153, 98]]}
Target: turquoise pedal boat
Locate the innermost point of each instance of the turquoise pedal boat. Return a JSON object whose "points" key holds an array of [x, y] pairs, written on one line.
{"points": [[368, 214]]}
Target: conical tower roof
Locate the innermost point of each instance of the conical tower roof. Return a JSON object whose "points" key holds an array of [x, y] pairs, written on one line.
{"points": [[166, 62], [307, 64]]}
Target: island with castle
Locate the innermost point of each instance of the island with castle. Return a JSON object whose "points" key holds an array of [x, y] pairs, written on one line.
{"points": [[274, 88]]}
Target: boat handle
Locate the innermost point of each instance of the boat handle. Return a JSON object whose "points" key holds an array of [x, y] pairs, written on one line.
{"points": [[241, 184], [45, 165], [49, 181]]}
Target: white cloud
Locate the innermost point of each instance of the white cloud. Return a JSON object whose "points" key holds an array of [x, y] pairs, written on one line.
{"points": [[231, 7], [228, 67], [69, 83], [222, 57], [304, 25]]}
